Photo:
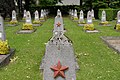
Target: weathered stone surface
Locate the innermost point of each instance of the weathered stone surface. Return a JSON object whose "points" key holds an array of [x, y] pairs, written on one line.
{"points": [[103, 17], [5, 59], [59, 51], [118, 17], [112, 42], [2, 32]]}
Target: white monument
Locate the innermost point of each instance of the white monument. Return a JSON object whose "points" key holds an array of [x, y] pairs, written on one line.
{"points": [[28, 18], [89, 17]]}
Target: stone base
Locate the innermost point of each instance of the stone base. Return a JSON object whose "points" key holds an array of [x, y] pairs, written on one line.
{"points": [[89, 31], [42, 20], [26, 31], [75, 20], [12, 25], [112, 42], [5, 59], [81, 24], [37, 25], [104, 24]]}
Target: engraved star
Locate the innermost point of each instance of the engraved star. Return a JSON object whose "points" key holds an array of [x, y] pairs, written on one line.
{"points": [[58, 24], [59, 70]]}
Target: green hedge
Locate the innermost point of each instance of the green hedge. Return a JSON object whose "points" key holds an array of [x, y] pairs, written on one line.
{"points": [[110, 13]]}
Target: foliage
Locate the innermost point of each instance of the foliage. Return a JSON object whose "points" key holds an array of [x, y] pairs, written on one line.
{"points": [[104, 23], [117, 26], [109, 14], [89, 27], [27, 27], [36, 22], [81, 22], [75, 18], [13, 22], [4, 48]]}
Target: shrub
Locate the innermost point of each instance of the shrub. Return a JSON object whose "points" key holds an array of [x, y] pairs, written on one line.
{"points": [[36, 22], [75, 18], [27, 27], [109, 14], [104, 23], [89, 27], [13, 22], [117, 26], [4, 48]]}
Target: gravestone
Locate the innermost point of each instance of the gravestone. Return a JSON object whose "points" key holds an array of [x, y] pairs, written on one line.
{"points": [[75, 16], [58, 24], [89, 17], [28, 26], [36, 21], [36, 15], [92, 11], [14, 15], [89, 27], [59, 56], [81, 21], [118, 17], [4, 58], [103, 18], [2, 33], [28, 18], [42, 18]]}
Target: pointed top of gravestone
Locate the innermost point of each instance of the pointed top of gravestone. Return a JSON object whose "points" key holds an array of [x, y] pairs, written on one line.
{"points": [[36, 15], [118, 17], [28, 17], [14, 15], [2, 33], [89, 17], [59, 13], [103, 17]]}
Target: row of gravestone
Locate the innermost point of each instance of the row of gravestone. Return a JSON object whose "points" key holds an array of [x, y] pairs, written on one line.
{"points": [[28, 25], [90, 17], [43, 17]]}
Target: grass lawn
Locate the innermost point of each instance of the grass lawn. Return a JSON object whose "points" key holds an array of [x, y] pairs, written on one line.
{"points": [[96, 60]]}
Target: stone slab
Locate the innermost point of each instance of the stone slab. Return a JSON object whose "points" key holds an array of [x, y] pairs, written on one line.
{"points": [[26, 31], [5, 59], [112, 42], [37, 25], [81, 24], [12, 25], [105, 25], [94, 31]]}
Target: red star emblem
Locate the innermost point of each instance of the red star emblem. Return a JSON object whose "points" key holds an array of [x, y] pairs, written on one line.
{"points": [[59, 70], [58, 24]]}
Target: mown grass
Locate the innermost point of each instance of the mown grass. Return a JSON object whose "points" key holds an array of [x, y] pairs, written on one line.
{"points": [[96, 60]]}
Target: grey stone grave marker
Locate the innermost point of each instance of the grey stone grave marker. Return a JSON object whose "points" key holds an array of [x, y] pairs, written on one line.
{"points": [[103, 17], [59, 57], [28, 18], [118, 17], [2, 33], [36, 15], [89, 17], [81, 19], [14, 15]]}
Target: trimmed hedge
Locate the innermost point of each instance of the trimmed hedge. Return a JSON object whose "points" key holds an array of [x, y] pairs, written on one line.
{"points": [[110, 13]]}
